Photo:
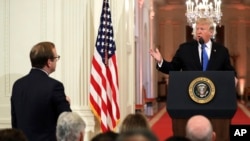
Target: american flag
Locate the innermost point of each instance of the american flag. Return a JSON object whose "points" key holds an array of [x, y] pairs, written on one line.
{"points": [[104, 76]]}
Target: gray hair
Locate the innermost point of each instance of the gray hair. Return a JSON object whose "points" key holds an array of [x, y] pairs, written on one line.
{"points": [[69, 126]]}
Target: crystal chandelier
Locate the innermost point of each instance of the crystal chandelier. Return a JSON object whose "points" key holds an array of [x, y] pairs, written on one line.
{"points": [[203, 9]]}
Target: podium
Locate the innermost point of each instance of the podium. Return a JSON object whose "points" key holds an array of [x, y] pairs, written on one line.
{"points": [[219, 104]]}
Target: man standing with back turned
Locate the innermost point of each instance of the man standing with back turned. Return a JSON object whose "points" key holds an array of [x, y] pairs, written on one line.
{"points": [[37, 99]]}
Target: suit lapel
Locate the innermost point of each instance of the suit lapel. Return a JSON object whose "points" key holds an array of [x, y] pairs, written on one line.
{"points": [[212, 59], [195, 51]]}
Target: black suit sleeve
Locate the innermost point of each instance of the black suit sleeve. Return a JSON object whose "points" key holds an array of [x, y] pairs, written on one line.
{"points": [[13, 113], [174, 65], [59, 99], [227, 63], [13, 116]]}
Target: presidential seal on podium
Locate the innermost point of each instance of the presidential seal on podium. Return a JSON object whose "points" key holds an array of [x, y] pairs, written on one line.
{"points": [[201, 90]]}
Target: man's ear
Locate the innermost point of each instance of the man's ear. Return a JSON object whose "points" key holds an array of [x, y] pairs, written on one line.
{"points": [[81, 138], [214, 136], [49, 62], [211, 32]]}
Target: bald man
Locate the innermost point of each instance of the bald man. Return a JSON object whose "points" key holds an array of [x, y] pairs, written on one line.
{"points": [[199, 128]]}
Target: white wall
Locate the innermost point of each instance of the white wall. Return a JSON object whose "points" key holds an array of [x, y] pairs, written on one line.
{"points": [[72, 25]]}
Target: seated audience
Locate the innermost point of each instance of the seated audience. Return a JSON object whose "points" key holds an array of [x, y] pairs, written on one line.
{"points": [[12, 134], [134, 122], [177, 138], [199, 128], [70, 127], [137, 135], [106, 136]]}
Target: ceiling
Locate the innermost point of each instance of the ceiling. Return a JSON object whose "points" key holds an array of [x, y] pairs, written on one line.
{"points": [[182, 2]]}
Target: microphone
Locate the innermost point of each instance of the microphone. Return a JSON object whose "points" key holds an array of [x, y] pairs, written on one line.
{"points": [[201, 41]]}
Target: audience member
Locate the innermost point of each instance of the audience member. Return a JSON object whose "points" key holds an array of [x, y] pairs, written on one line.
{"points": [[37, 99], [70, 127], [106, 136], [177, 138], [137, 135], [12, 134], [134, 122], [199, 128]]}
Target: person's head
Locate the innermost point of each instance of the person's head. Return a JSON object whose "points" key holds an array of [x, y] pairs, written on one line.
{"points": [[199, 128], [12, 134], [70, 127], [134, 122], [177, 138], [137, 135], [204, 28], [43, 55], [106, 136]]}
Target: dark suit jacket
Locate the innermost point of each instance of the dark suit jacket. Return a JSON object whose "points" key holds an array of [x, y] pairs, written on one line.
{"points": [[187, 59], [36, 102]]}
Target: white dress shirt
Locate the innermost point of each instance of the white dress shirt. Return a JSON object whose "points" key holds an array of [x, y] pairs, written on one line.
{"points": [[208, 49]]}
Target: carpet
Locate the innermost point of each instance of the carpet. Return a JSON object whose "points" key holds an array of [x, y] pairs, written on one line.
{"points": [[242, 115], [161, 123]]}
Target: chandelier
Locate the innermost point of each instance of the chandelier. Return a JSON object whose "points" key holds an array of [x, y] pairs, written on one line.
{"points": [[203, 9]]}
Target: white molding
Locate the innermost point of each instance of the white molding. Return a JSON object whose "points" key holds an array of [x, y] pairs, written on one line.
{"points": [[5, 123], [43, 16], [5, 49]]}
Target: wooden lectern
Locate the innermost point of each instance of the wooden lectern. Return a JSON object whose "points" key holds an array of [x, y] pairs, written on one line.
{"points": [[184, 99]]}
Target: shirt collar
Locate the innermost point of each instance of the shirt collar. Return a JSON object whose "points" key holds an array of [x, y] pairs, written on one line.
{"points": [[208, 44], [40, 69]]}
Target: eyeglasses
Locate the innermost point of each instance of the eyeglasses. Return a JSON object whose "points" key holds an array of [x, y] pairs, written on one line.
{"points": [[57, 57]]}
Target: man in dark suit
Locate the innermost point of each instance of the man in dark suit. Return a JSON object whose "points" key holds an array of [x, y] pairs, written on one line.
{"points": [[37, 99], [188, 57]]}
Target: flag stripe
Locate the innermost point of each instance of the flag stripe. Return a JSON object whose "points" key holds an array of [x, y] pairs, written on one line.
{"points": [[104, 88]]}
